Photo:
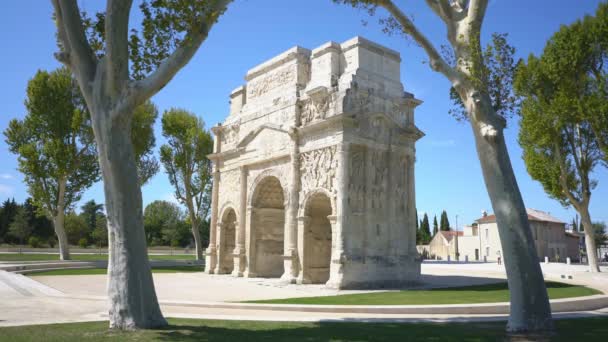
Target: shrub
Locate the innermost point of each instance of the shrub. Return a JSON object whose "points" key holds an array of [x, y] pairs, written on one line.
{"points": [[34, 241], [51, 241], [83, 242]]}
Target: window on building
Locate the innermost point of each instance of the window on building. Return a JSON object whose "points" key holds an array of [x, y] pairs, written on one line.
{"points": [[487, 249], [487, 233]]}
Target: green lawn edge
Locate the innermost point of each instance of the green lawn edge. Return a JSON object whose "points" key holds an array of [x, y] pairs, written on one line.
{"points": [[25, 257], [490, 293], [94, 271], [579, 329]]}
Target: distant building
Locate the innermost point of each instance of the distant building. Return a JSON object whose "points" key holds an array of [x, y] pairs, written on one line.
{"points": [[481, 240], [442, 245]]}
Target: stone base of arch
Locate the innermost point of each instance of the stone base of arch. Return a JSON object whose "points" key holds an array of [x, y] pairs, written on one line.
{"points": [[239, 262]]}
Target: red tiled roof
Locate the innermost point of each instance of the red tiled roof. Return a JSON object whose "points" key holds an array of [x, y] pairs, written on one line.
{"points": [[533, 215], [448, 235]]}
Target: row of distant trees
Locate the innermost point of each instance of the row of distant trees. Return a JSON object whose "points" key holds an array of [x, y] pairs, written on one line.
{"points": [[423, 228], [165, 223], [27, 224]]}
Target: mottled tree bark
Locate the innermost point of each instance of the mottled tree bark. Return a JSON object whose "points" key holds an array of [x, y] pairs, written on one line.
{"points": [[194, 224], [594, 265], [530, 309], [133, 301], [59, 223]]}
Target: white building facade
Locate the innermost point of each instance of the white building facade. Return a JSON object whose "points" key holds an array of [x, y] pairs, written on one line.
{"points": [[313, 175], [482, 241]]}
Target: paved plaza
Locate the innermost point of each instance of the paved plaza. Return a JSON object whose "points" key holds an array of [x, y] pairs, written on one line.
{"points": [[53, 299]]}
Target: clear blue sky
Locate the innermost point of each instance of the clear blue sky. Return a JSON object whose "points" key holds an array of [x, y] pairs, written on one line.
{"points": [[448, 174]]}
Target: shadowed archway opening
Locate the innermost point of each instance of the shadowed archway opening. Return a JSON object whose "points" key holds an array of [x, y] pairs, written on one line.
{"points": [[317, 239], [267, 228], [227, 241]]}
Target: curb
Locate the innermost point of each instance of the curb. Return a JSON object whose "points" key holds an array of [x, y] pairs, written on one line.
{"points": [[567, 305]]}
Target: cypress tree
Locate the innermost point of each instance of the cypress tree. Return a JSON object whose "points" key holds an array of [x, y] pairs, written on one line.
{"points": [[435, 226], [445, 223], [425, 230]]}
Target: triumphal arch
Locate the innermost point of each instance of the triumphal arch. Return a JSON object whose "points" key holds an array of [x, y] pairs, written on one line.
{"points": [[313, 178]]}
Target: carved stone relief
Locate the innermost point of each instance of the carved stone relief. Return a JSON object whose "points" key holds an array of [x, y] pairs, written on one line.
{"points": [[265, 84], [379, 176], [230, 135], [318, 169], [357, 187], [400, 175], [315, 109]]}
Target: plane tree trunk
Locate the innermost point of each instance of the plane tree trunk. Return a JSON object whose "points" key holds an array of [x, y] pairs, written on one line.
{"points": [[195, 229], [59, 222], [589, 239], [133, 301], [530, 309]]}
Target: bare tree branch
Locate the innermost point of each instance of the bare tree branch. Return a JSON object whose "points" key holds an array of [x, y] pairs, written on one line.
{"points": [[145, 88], [78, 52], [437, 63], [117, 47]]}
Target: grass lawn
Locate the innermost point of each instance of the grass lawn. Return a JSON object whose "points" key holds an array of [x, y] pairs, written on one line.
{"points": [[82, 257], [89, 271], [456, 295], [584, 329]]}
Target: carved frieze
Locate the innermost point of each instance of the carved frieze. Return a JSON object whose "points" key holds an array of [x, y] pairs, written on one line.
{"points": [[318, 169], [265, 84]]}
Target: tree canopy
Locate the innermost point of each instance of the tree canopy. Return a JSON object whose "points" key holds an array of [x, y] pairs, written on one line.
{"points": [[54, 142], [564, 114], [184, 158]]}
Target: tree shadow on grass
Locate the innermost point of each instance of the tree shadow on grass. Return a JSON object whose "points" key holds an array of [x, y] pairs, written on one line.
{"points": [[585, 329], [490, 331], [499, 286]]}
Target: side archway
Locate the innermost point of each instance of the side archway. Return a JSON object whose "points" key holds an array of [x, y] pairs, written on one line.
{"points": [[316, 237], [227, 240]]}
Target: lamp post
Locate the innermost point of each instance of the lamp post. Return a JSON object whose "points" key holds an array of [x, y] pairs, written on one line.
{"points": [[457, 253]]}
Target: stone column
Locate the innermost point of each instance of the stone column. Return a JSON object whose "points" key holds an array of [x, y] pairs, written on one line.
{"points": [[338, 256], [210, 253], [249, 266], [411, 195], [220, 252], [239, 250], [290, 255], [302, 222]]}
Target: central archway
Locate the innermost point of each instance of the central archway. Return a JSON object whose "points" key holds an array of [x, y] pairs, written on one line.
{"points": [[267, 228], [317, 239]]}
